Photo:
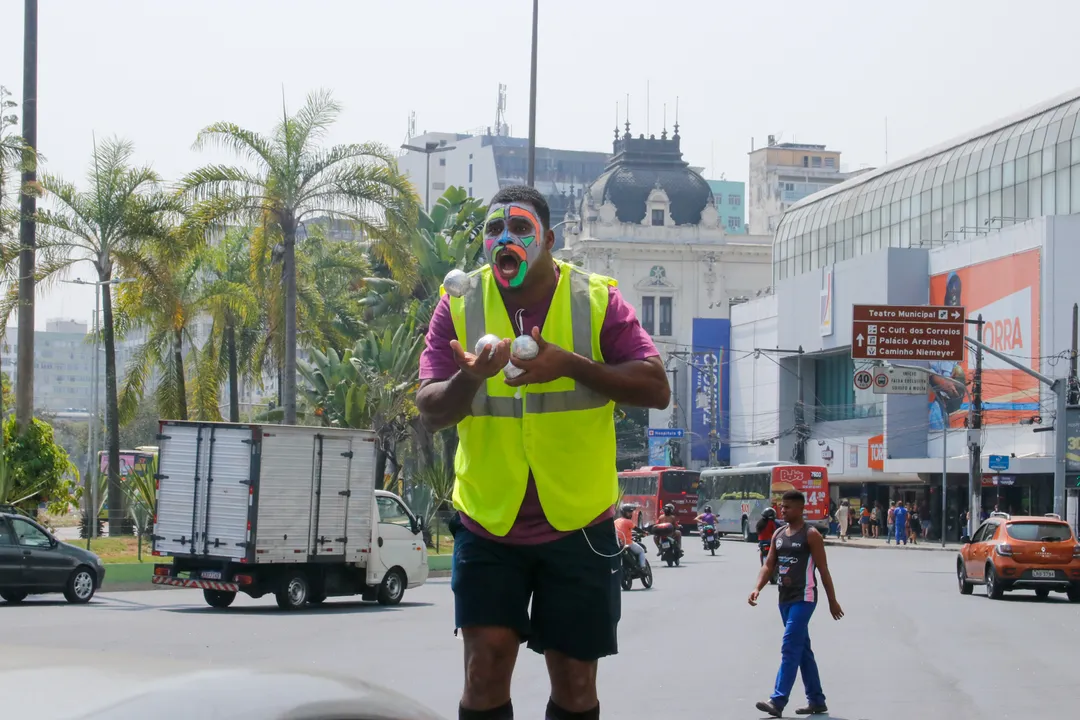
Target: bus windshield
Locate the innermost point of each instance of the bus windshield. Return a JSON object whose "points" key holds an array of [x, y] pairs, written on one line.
{"points": [[679, 481]]}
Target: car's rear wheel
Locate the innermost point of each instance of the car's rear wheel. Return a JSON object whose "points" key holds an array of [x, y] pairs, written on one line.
{"points": [[80, 586], [1042, 593], [220, 599], [13, 596], [961, 578], [994, 590], [1073, 594]]}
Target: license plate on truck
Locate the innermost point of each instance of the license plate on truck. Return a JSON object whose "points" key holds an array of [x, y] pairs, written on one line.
{"points": [[1051, 574], [210, 575]]}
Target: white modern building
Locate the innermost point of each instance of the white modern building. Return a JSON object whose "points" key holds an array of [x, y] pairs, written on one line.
{"points": [[650, 221], [988, 221]]}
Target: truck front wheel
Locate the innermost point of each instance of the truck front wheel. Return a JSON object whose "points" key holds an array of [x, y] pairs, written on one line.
{"points": [[392, 588], [220, 599], [293, 592]]}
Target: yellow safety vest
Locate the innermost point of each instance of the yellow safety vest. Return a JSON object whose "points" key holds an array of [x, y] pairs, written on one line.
{"points": [[562, 431]]}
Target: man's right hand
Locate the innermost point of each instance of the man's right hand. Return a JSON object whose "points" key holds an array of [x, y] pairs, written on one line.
{"points": [[753, 598], [485, 365]]}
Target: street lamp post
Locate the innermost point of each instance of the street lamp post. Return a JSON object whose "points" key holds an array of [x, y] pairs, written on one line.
{"points": [[429, 149], [532, 98], [95, 379]]}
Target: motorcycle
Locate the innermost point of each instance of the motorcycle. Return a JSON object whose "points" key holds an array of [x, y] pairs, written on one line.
{"points": [[763, 549], [709, 539], [669, 550], [631, 570]]}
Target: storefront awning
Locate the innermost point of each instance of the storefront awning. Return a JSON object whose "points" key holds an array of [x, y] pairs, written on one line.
{"points": [[878, 478]]}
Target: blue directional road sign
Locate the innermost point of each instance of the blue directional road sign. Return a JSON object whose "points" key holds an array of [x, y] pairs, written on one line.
{"points": [[666, 432], [998, 463]]}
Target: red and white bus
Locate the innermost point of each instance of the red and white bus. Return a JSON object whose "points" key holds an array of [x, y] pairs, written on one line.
{"points": [[739, 494], [653, 486]]}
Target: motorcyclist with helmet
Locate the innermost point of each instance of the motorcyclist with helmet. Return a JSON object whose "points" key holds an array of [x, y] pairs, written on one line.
{"points": [[707, 517], [766, 528], [624, 528], [669, 517]]}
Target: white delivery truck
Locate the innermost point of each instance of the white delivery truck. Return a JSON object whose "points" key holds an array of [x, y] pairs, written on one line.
{"points": [[279, 509]]}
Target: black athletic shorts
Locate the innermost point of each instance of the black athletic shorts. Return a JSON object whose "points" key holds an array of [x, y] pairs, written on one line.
{"points": [[573, 584]]}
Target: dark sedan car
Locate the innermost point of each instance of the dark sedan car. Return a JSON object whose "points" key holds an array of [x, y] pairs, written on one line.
{"points": [[32, 561]]}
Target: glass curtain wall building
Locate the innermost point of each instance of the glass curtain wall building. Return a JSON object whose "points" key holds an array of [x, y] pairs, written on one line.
{"points": [[1023, 167]]}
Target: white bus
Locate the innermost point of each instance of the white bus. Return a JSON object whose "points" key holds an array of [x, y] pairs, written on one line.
{"points": [[738, 495]]}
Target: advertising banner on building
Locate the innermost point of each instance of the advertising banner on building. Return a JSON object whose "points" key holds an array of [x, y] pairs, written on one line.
{"points": [[660, 440], [1006, 292], [709, 389], [1072, 437]]}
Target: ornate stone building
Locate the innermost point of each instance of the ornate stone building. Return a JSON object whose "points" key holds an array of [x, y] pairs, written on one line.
{"points": [[650, 221]]}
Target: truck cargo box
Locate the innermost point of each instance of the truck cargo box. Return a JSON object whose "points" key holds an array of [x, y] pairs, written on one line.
{"points": [[264, 493]]}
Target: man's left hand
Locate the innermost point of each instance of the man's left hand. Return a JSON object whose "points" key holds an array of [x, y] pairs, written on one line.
{"points": [[549, 364]]}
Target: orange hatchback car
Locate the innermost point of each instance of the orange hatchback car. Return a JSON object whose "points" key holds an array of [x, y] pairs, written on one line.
{"points": [[1013, 553]]}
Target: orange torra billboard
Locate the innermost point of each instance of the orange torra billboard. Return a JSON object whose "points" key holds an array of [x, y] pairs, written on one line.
{"points": [[1006, 292]]}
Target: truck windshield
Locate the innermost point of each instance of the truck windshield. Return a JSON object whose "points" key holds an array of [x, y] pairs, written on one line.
{"points": [[680, 481]]}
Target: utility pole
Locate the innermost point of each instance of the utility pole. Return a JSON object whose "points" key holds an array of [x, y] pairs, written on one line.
{"points": [[1074, 387], [532, 98], [674, 456], [24, 390], [802, 430], [975, 433], [1060, 388]]}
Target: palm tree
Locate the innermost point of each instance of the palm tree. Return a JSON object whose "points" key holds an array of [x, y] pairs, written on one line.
{"points": [[113, 225], [227, 297], [293, 179], [12, 147]]}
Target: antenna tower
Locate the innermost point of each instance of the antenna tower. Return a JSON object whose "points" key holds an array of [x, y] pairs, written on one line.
{"points": [[501, 128]]}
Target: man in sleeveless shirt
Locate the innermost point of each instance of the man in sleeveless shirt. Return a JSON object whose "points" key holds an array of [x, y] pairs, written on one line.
{"points": [[799, 551]]}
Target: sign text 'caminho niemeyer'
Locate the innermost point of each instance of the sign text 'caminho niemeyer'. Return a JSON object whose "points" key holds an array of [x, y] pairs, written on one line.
{"points": [[907, 332]]}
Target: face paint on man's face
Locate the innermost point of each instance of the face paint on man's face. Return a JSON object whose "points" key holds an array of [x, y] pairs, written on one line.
{"points": [[513, 242]]}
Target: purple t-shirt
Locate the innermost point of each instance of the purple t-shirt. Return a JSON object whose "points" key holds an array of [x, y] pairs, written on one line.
{"points": [[622, 339]]}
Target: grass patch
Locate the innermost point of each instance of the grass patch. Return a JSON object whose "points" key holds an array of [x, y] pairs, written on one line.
{"points": [[442, 545], [114, 550]]}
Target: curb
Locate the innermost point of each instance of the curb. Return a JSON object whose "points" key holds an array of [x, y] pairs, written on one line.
{"points": [[920, 548], [131, 577]]}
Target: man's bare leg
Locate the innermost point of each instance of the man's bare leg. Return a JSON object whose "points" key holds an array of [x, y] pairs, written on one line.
{"points": [[573, 686], [490, 655]]}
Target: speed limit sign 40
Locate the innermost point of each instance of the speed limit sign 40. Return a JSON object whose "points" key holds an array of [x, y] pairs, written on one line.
{"points": [[863, 380]]}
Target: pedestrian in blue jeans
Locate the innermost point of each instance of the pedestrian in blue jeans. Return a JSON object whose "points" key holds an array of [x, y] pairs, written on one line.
{"points": [[900, 518], [799, 551]]}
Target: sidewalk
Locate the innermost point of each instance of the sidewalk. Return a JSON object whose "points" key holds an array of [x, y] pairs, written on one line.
{"points": [[872, 544]]}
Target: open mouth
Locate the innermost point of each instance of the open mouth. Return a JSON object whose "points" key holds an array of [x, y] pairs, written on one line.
{"points": [[508, 262]]}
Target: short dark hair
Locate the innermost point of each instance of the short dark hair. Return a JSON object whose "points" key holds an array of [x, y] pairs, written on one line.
{"points": [[794, 496], [525, 194]]}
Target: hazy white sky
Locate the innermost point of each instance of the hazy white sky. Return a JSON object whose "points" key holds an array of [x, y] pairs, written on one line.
{"points": [[825, 71]]}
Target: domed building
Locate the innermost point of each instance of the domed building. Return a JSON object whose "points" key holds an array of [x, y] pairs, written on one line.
{"points": [[650, 221]]}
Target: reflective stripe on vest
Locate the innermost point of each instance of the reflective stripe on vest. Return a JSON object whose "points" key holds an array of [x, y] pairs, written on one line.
{"points": [[580, 398]]}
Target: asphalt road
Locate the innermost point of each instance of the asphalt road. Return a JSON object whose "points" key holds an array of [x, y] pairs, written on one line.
{"points": [[910, 647]]}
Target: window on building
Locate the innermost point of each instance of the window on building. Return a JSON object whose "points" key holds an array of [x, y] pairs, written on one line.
{"points": [[806, 161], [658, 218], [734, 223], [734, 199], [833, 389], [442, 162], [665, 317], [816, 162], [830, 162], [438, 186], [470, 172], [648, 313], [470, 191]]}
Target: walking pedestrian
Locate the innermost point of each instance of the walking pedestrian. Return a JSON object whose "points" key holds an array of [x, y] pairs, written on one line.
{"points": [[892, 522], [536, 557], [864, 521], [915, 521], [843, 517], [900, 516], [799, 551]]}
